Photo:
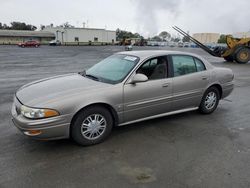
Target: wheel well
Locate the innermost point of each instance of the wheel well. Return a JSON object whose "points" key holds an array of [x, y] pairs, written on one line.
{"points": [[107, 106], [219, 89]]}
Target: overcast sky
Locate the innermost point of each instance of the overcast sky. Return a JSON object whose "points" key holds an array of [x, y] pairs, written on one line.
{"points": [[148, 17]]}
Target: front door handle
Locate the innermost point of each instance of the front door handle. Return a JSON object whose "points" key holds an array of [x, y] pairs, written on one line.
{"points": [[165, 85], [204, 78]]}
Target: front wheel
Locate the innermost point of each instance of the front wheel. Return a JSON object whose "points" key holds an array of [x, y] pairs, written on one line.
{"points": [[209, 100], [92, 126], [242, 55]]}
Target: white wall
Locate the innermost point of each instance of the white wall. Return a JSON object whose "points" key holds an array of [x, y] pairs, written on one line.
{"points": [[207, 37], [84, 34], [241, 34]]}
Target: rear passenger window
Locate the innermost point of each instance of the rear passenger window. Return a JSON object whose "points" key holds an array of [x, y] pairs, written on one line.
{"points": [[183, 65], [199, 65]]}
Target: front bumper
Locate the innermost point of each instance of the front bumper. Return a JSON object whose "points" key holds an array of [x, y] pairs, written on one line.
{"points": [[43, 129]]}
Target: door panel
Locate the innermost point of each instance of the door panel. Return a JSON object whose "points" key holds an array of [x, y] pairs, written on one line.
{"points": [[147, 98], [190, 80], [188, 89]]}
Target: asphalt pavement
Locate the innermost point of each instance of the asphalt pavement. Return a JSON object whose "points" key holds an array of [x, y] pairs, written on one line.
{"points": [[184, 150]]}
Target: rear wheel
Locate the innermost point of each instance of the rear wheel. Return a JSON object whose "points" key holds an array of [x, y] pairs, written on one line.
{"points": [[242, 55], [210, 100], [92, 126]]}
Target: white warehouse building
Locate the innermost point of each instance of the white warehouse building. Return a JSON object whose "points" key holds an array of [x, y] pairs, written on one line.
{"points": [[83, 36], [242, 34], [207, 38]]}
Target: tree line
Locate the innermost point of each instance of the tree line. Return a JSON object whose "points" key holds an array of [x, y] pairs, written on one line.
{"points": [[18, 26], [122, 35]]}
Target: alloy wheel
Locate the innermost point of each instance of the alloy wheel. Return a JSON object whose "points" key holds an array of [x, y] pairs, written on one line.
{"points": [[210, 100], [93, 126]]}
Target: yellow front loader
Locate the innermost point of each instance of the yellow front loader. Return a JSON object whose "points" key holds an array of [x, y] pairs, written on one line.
{"points": [[238, 49]]}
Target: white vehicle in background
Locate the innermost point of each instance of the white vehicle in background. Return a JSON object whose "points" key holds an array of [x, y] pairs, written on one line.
{"points": [[180, 44], [186, 44], [55, 43], [128, 48], [172, 44], [163, 44]]}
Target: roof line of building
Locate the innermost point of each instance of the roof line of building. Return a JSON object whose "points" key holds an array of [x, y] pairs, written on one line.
{"points": [[25, 33], [87, 28]]}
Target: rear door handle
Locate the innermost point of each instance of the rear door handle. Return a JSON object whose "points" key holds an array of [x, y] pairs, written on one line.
{"points": [[165, 85]]}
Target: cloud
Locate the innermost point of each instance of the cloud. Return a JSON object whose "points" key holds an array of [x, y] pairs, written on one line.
{"points": [[148, 17], [222, 16], [147, 11]]}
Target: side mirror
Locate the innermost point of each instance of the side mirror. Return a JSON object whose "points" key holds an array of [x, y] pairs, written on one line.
{"points": [[138, 78]]}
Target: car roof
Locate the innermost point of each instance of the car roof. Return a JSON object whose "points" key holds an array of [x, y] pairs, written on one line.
{"points": [[143, 54]]}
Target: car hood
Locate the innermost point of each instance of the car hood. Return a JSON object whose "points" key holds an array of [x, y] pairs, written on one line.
{"points": [[40, 92]]}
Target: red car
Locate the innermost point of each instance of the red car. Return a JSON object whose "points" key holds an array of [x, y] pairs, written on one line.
{"points": [[31, 43]]}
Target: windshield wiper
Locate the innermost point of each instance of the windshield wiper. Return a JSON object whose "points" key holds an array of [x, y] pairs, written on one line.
{"points": [[83, 73], [92, 77]]}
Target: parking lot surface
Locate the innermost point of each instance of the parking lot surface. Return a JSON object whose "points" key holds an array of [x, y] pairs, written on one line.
{"points": [[184, 150]]}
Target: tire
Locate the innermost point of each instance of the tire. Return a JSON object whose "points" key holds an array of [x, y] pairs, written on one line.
{"points": [[242, 55], [36, 46], [84, 127], [229, 58], [207, 107], [22, 46]]}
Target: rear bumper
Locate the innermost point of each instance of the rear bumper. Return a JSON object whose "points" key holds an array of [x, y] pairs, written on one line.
{"points": [[43, 129], [227, 89]]}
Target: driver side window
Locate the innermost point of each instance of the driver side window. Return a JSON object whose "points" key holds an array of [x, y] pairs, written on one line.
{"points": [[155, 68]]}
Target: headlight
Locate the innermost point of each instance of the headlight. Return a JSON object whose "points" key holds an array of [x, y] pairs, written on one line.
{"points": [[36, 113]]}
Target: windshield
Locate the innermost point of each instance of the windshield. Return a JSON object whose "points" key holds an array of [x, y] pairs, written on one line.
{"points": [[112, 69]]}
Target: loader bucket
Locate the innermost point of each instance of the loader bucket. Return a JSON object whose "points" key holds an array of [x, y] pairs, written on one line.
{"points": [[202, 46]]}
